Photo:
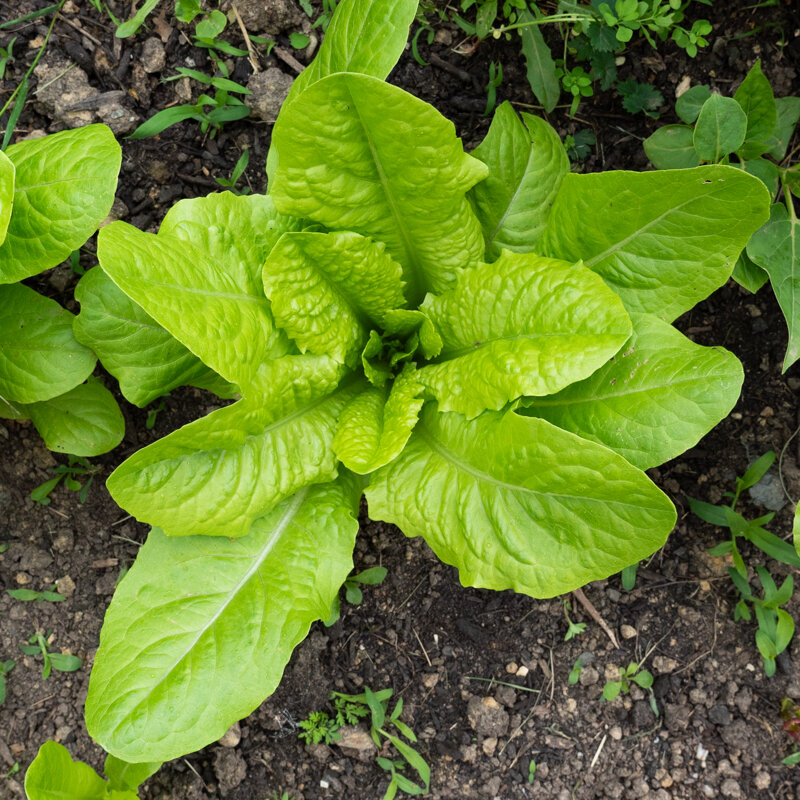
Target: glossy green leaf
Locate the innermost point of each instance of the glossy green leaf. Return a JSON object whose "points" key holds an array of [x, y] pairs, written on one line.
{"points": [[775, 247], [524, 325], [748, 274], [219, 473], [147, 360], [375, 425], [328, 290], [672, 147], [237, 232], [540, 67], [688, 105], [755, 97], [515, 502], [39, 355], [65, 185], [788, 112], [364, 36], [526, 163], [350, 159], [85, 421], [662, 240], [6, 193], [201, 628], [124, 776], [53, 775], [229, 326], [653, 400], [720, 128]]}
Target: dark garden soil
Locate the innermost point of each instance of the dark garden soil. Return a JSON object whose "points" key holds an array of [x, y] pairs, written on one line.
{"points": [[483, 675]]}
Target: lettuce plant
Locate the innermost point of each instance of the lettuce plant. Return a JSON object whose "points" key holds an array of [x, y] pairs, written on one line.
{"points": [[482, 341], [54, 192]]}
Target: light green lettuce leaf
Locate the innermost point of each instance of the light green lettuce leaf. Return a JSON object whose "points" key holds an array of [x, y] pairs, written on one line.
{"points": [[375, 425], [65, 185], [329, 289], [237, 232], [516, 503], [85, 421], [526, 165], [654, 399], [662, 241], [40, 357], [125, 776], [219, 473], [226, 325], [6, 193], [524, 325], [350, 158], [775, 247], [366, 36], [53, 775], [201, 628], [405, 322], [147, 361]]}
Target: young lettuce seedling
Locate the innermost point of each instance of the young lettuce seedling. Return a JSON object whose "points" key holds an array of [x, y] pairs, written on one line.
{"points": [[484, 338]]}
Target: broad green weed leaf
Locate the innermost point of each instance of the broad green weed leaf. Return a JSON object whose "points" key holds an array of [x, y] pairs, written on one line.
{"points": [[655, 399], [375, 425], [672, 147], [524, 325], [748, 274], [85, 421], [220, 615], [766, 171], [53, 775], [124, 776], [540, 67], [39, 355], [755, 97], [219, 473], [688, 105], [364, 36], [350, 159], [236, 231], [328, 290], [720, 128], [788, 112], [6, 193], [10, 410], [147, 360], [775, 247], [515, 502], [65, 185], [526, 163], [664, 240], [227, 325]]}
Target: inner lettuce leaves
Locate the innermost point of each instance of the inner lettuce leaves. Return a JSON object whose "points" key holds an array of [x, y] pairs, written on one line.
{"points": [[374, 329]]}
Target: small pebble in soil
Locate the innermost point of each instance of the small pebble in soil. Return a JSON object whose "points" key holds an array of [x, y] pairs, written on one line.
{"points": [[627, 631], [720, 715]]}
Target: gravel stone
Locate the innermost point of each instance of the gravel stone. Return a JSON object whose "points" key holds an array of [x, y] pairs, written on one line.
{"points": [[486, 717], [720, 715], [269, 90], [731, 788], [154, 56]]}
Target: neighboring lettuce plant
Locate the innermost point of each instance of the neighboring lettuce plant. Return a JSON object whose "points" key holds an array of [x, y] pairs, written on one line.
{"points": [[53, 771], [483, 340], [751, 131], [54, 192]]}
